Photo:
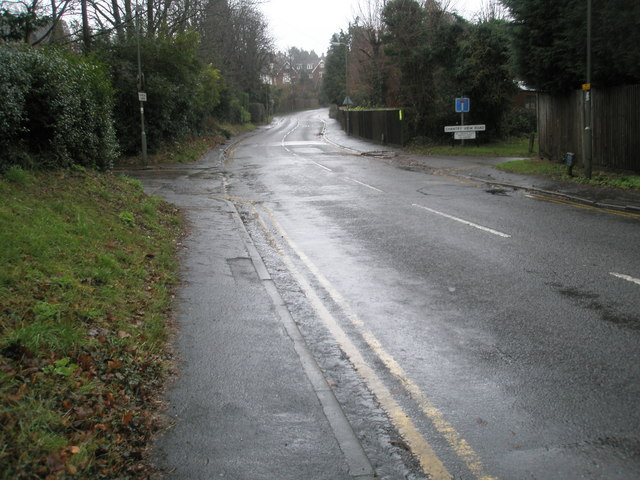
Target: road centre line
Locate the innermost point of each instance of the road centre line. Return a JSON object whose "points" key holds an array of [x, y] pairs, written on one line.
{"points": [[429, 461], [365, 184], [321, 166], [283, 143], [466, 222], [628, 278]]}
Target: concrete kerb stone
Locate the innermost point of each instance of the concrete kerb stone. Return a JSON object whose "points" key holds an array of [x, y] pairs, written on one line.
{"points": [[554, 193], [359, 465]]}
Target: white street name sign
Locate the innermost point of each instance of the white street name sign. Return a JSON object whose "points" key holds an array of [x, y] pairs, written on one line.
{"points": [[464, 135], [465, 128]]}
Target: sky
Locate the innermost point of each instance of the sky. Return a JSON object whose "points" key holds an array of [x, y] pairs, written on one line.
{"points": [[309, 24]]}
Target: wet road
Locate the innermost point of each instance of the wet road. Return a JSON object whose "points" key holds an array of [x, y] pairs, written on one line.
{"points": [[499, 333]]}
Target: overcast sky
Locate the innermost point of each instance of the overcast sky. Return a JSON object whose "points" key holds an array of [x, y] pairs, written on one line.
{"points": [[309, 24]]}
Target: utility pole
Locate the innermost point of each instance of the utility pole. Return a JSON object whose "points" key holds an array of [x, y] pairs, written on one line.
{"points": [[587, 142], [142, 96]]}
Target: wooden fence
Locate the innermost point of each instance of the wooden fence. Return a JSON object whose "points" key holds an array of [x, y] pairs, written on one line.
{"points": [[381, 126], [616, 127]]}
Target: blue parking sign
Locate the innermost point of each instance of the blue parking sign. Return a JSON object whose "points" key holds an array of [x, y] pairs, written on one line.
{"points": [[462, 105]]}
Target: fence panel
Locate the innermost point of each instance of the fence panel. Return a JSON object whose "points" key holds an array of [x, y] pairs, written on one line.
{"points": [[616, 126], [381, 126]]}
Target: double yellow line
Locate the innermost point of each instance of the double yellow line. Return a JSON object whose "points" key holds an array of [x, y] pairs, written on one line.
{"points": [[570, 203], [420, 447]]}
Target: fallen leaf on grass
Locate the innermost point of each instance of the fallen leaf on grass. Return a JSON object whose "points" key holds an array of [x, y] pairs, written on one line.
{"points": [[126, 419], [113, 365], [55, 462], [85, 361], [83, 412]]}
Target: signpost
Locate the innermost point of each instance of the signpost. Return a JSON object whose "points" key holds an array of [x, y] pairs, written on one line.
{"points": [[464, 132], [465, 128], [463, 105]]}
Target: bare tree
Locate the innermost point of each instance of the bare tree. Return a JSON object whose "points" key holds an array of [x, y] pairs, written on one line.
{"points": [[368, 31], [491, 10], [38, 21], [235, 37]]}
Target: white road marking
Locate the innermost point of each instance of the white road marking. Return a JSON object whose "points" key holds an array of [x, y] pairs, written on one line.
{"points": [[466, 222], [303, 143], [628, 278], [364, 184], [321, 166], [283, 143]]}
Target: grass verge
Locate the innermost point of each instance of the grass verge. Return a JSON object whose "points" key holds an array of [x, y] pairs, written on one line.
{"points": [[190, 149], [549, 169], [86, 279], [517, 147]]}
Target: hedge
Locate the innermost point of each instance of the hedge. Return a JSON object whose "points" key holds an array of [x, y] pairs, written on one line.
{"points": [[55, 110]]}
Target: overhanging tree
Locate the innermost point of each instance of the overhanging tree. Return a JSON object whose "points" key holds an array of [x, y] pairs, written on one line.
{"points": [[485, 74], [550, 42], [334, 82]]}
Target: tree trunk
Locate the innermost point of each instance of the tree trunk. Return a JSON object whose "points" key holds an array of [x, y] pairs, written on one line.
{"points": [[150, 27], [117, 20], [129, 19], [86, 32]]}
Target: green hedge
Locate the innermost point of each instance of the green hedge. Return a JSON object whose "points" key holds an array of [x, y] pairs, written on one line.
{"points": [[55, 110]]}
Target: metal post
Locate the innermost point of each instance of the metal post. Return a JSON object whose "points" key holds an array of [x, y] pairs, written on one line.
{"points": [[462, 123], [143, 134], [588, 127], [346, 79]]}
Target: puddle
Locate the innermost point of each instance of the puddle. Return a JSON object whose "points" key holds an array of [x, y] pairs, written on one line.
{"points": [[607, 313]]}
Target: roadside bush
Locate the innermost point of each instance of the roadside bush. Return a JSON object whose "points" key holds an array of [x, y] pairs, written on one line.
{"points": [[233, 107], [55, 110], [182, 92], [258, 112], [518, 121]]}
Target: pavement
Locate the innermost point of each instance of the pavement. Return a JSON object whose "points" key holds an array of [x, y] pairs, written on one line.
{"points": [[249, 401]]}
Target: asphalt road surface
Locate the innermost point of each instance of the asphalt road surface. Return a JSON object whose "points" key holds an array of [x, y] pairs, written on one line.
{"points": [[496, 332]]}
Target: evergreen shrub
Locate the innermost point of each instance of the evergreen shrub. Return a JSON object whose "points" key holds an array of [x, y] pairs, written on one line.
{"points": [[55, 110]]}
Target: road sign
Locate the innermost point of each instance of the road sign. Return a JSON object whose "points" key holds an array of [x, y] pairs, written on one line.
{"points": [[142, 96], [462, 105], [464, 135], [465, 128]]}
